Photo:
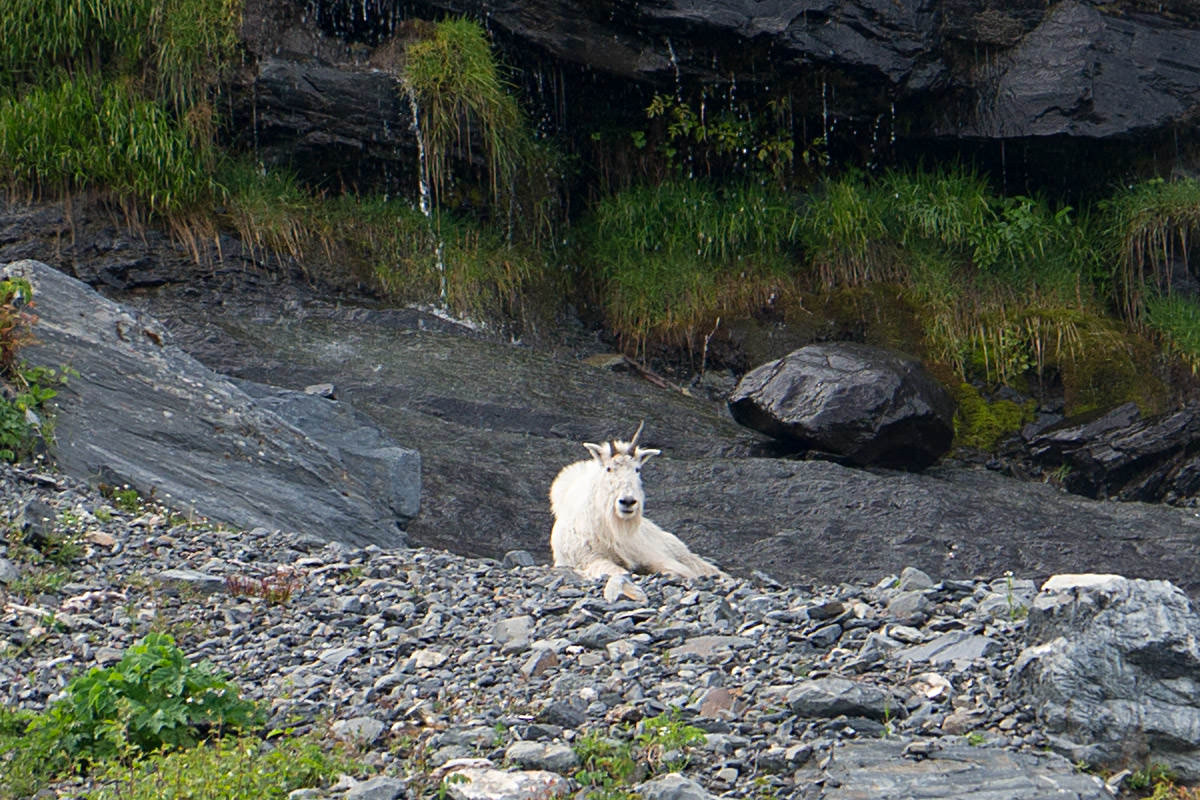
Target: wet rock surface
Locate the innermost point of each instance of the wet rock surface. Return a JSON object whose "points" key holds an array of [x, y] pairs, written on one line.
{"points": [[1070, 70], [495, 420], [804, 691], [138, 411]]}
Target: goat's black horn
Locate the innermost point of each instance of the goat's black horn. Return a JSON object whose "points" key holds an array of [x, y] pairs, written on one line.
{"points": [[633, 442]]}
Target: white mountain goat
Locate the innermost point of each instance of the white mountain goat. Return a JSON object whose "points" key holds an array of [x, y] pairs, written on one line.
{"points": [[599, 528]]}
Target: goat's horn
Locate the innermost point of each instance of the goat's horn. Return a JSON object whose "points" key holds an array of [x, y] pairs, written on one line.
{"points": [[637, 433]]}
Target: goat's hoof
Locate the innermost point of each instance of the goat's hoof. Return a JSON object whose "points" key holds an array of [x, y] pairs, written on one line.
{"points": [[621, 586]]}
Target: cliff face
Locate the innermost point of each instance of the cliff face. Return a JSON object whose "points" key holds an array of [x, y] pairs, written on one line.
{"points": [[319, 93]]}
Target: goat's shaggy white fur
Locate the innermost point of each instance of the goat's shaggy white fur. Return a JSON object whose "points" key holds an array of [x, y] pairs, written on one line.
{"points": [[599, 528]]}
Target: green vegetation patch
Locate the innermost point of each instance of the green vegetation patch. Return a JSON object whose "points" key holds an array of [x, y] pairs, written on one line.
{"points": [[670, 259], [982, 424]]}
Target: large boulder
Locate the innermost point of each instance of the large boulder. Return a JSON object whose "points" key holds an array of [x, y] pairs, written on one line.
{"points": [[862, 404], [1113, 672], [1125, 456], [143, 412]]}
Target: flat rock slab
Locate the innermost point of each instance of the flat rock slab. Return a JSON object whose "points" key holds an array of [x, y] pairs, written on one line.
{"points": [[870, 770], [143, 412]]}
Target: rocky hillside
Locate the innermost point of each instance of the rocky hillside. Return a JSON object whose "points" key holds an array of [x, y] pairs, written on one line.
{"points": [[501, 672]]}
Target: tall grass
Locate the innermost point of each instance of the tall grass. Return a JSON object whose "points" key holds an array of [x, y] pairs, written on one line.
{"points": [[83, 133], [672, 258], [1177, 320], [114, 96], [466, 103], [1152, 225]]}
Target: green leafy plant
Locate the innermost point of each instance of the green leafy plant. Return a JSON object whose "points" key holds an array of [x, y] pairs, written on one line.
{"points": [[606, 765], [666, 739], [231, 768], [1177, 320], [26, 390], [1150, 227], [152, 699]]}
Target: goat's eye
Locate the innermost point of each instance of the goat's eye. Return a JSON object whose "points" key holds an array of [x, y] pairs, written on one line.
{"points": [[608, 469]]}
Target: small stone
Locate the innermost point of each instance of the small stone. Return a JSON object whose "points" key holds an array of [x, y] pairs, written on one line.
{"points": [[518, 558], [539, 755], [673, 786], [363, 730], [378, 788], [539, 662]]}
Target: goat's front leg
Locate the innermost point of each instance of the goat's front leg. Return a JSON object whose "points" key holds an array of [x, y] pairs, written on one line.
{"points": [[620, 582]]}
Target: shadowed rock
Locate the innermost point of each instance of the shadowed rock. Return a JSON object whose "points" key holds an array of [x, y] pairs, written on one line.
{"points": [[863, 404], [1124, 456]]}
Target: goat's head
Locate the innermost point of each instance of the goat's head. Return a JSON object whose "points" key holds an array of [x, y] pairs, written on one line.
{"points": [[621, 484]]}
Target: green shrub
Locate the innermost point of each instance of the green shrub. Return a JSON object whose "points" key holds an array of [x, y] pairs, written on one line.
{"points": [[232, 768], [151, 699], [178, 47], [24, 419]]}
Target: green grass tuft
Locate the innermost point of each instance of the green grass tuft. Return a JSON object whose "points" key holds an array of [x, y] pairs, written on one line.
{"points": [[671, 258]]}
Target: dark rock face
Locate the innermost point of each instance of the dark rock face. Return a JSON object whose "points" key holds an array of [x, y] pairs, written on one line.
{"points": [[319, 93], [143, 412], [1124, 456], [864, 404], [1114, 672]]}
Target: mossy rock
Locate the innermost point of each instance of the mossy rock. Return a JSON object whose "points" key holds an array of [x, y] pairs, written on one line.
{"points": [[1110, 367], [982, 424]]}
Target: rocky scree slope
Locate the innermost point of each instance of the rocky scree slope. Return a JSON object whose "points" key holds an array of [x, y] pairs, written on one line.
{"points": [[900, 689]]}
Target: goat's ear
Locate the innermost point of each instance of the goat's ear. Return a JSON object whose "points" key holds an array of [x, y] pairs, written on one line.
{"points": [[643, 453], [598, 451]]}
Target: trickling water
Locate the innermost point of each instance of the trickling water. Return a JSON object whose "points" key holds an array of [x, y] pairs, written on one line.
{"points": [[825, 111], [675, 66], [425, 200]]}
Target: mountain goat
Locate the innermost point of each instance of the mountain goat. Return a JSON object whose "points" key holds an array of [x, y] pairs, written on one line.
{"points": [[599, 528]]}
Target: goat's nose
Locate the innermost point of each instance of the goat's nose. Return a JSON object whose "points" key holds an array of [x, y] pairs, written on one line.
{"points": [[627, 503]]}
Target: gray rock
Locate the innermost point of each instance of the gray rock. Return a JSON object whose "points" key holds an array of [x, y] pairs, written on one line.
{"points": [[494, 784], [518, 558], [595, 636], [190, 580], [831, 697], [708, 646], [378, 788], [544, 756], [949, 648], [360, 730], [673, 786], [868, 770], [864, 404], [1113, 671], [144, 413], [513, 633], [8, 571]]}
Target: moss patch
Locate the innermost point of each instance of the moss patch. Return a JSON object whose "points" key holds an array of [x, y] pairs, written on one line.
{"points": [[982, 424]]}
